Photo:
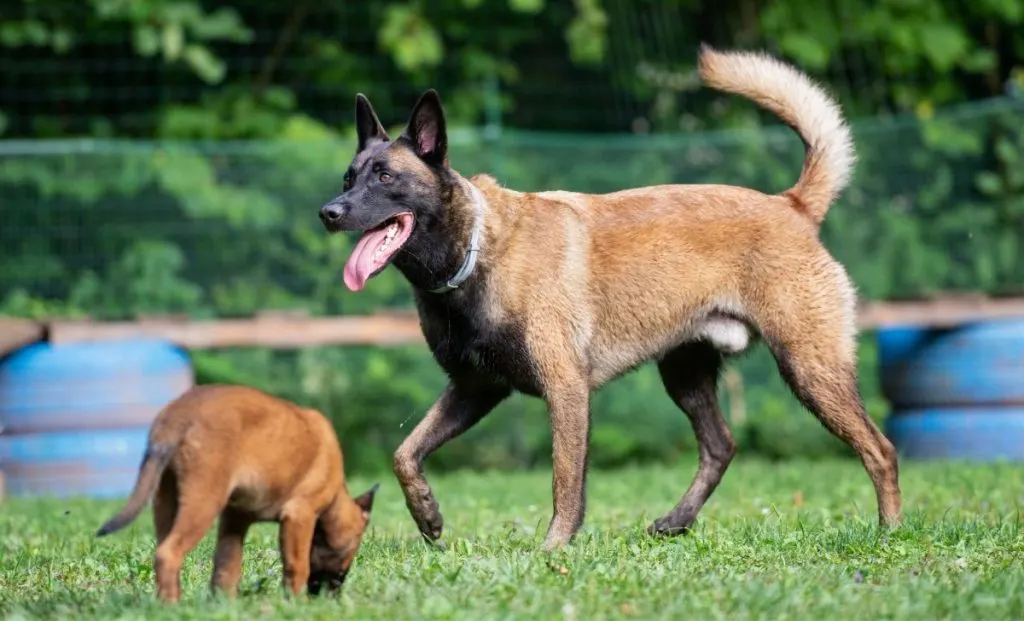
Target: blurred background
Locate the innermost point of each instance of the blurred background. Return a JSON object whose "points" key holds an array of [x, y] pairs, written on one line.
{"points": [[169, 157]]}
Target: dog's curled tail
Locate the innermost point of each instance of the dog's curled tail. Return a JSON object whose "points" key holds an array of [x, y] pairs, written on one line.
{"points": [[801, 104], [157, 456]]}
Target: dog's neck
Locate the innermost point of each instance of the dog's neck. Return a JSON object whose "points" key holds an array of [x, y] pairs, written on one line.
{"points": [[445, 256], [475, 235]]}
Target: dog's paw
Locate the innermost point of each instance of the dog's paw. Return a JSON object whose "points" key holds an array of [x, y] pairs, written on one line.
{"points": [[435, 543], [430, 523], [669, 526], [431, 527], [428, 517]]}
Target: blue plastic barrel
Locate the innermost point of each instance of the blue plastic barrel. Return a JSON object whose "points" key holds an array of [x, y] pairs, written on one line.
{"points": [[975, 434], [973, 365], [101, 385], [96, 463]]}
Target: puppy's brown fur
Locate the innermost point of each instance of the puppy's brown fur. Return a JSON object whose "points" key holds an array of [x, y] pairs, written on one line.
{"points": [[572, 290], [248, 457]]}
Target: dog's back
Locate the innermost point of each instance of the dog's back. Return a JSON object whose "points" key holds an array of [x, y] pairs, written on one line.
{"points": [[701, 262]]}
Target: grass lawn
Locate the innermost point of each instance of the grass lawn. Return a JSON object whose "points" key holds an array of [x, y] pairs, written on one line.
{"points": [[794, 540]]}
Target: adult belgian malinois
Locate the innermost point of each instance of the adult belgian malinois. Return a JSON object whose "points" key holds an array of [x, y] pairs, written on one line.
{"points": [[248, 457], [553, 294]]}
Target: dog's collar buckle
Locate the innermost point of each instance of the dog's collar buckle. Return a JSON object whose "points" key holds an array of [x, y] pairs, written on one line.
{"points": [[468, 263]]}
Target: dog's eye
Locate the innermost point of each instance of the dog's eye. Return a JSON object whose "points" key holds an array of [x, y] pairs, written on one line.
{"points": [[347, 183], [384, 177]]}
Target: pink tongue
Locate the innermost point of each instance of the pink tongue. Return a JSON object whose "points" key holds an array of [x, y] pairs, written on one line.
{"points": [[360, 264]]}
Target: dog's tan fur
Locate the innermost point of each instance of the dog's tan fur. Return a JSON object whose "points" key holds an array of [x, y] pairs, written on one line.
{"points": [[573, 290], [248, 457]]}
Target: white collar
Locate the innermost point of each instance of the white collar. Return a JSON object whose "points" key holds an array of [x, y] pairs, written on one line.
{"points": [[468, 263]]}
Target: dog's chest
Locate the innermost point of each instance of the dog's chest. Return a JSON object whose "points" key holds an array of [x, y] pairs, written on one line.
{"points": [[464, 342]]}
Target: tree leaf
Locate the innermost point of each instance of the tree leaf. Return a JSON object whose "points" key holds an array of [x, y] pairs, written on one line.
{"points": [[208, 67], [989, 183], [587, 33], [942, 43], [808, 50], [147, 41], [413, 42], [527, 6], [173, 40]]}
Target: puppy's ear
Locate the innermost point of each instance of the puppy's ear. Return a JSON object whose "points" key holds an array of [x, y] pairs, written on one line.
{"points": [[365, 501], [426, 130], [368, 126]]}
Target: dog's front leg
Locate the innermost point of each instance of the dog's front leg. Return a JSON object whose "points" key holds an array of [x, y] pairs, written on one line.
{"points": [[569, 403], [462, 404]]}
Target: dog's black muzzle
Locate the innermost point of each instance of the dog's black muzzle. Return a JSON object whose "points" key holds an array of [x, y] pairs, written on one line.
{"points": [[333, 215], [341, 215]]}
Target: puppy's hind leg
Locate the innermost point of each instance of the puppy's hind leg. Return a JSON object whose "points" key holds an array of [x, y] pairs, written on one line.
{"points": [[690, 375], [227, 559], [165, 506], [197, 509]]}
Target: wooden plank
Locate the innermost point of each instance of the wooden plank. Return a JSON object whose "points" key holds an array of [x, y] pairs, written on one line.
{"points": [[290, 331], [281, 332], [938, 313], [17, 333]]}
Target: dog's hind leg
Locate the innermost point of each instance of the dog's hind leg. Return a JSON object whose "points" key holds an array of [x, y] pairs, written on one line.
{"points": [[816, 354], [690, 375], [830, 392], [460, 406]]}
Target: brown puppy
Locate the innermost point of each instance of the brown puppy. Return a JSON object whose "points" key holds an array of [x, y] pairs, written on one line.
{"points": [[248, 457], [553, 294]]}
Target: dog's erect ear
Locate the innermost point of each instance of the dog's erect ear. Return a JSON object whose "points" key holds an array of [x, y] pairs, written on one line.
{"points": [[365, 501], [426, 130], [368, 126]]}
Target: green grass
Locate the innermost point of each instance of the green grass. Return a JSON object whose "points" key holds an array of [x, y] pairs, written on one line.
{"points": [[757, 553]]}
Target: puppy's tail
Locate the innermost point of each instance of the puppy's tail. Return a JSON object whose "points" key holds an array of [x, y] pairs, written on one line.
{"points": [[158, 455], [801, 104]]}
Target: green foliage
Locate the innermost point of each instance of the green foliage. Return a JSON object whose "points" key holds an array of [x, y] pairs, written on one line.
{"points": [[410, 39]]}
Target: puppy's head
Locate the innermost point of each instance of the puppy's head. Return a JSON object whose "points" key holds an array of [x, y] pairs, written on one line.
{"points": [[394, 190], [329, 561]]}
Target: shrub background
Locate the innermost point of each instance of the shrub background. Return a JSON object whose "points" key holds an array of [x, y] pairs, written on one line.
{"points": [[169, 157]]}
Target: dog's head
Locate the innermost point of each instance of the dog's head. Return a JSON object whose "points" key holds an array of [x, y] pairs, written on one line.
{"points": [[329, 561], [394, 190]]}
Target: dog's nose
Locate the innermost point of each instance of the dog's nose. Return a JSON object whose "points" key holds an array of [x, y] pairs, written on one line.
{"points": [[331, 212]]}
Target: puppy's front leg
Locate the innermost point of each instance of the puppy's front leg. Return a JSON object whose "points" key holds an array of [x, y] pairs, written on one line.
{"points": [[296, 538], [462, 404], [568, 399]]}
